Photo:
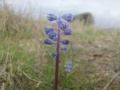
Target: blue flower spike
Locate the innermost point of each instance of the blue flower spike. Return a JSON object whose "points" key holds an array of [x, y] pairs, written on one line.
{"points": [[54, 37]]}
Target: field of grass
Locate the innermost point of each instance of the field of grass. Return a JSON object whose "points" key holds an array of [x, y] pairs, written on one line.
{"points": [[25, 63]]}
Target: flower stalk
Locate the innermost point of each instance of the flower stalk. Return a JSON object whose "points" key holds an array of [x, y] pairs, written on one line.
{"points": [[57, 60], [54, 38]]}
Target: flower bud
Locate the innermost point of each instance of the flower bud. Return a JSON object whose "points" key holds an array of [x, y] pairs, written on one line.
{"points": [[52, 35], [68, 17], [51, 17], [53, 55], [68, 67], [63, 25], [68, 31], [64, 48], [47, 29], [47, 41], [66, 42]]}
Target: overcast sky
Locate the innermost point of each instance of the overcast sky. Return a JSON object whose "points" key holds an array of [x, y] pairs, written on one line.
{"points": [[106, 12]]}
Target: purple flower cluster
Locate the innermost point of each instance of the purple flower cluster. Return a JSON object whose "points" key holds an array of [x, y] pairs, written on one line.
{"points": [[68, 67], [54, 36]]}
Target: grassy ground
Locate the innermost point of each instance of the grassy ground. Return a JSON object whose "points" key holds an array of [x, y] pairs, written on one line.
{"points": [[25, 63]]}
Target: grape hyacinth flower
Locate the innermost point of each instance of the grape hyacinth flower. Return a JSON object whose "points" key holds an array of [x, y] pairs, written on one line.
{"points": [[63, 26], [47, 41], [68, 31], [66, 42], [51, 17], [68, 17], [54, 38], [63, 47], [48, 29], [68, 67], [52, 35], [53, 55]]}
